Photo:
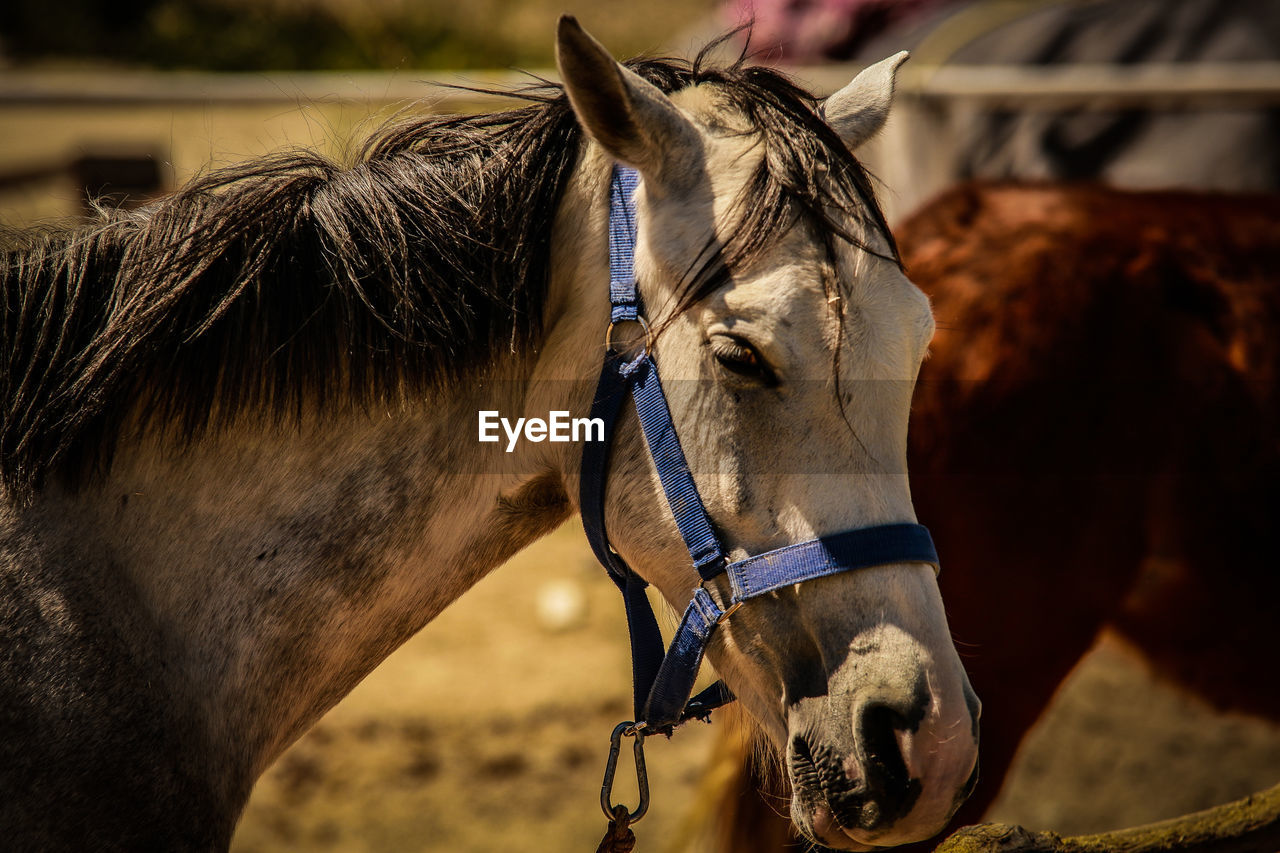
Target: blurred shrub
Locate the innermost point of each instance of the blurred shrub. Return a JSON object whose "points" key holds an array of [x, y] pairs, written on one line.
{"points": [[225, 37], [236, 35]]}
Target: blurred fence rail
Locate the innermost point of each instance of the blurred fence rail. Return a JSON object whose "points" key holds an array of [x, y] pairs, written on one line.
{"points": [[71, 138], [175, 89], [1076, 86]]}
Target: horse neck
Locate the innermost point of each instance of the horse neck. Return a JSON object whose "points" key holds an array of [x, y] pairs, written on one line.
{"points": [[279, 565]]}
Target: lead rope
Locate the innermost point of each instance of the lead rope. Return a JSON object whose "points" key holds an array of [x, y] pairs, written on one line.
{"points": [[618, 838]]}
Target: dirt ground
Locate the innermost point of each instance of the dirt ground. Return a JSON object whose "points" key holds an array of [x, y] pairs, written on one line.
{"points": [[489, 730]]}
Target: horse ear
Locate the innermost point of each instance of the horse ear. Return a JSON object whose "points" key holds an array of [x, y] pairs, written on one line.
{"points": [[858, 111], [630, 117]]}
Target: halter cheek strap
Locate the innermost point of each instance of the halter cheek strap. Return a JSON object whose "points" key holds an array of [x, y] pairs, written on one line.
{"points": [[663, 680]]}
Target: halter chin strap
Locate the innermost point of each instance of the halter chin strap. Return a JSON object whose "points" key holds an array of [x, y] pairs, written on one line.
{"points": [[663, 681]]}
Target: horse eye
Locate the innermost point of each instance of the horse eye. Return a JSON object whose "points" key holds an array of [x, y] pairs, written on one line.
{"points": [[740, 357]]}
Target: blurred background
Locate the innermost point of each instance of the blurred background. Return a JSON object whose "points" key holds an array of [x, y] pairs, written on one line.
{"points": [[490, 733]]}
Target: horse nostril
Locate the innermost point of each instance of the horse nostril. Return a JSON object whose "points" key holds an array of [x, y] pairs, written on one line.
{"points": [[886, 780], [878, 727]]}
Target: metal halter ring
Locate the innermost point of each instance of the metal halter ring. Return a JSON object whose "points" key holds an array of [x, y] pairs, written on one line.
{"points": [[642, 777], [648, 335]]}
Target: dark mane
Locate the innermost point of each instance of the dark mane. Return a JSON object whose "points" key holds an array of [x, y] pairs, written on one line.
{"points": [[292, 281]]}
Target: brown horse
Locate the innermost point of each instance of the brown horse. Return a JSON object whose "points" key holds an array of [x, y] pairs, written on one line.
{"points": [[1095, 442]]}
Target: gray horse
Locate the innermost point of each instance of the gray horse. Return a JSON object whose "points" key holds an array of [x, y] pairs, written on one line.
{"points": [[240, 462]]}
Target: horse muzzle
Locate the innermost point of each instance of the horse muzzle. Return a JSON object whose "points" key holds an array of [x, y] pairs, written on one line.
{"points": [[882, 766]]}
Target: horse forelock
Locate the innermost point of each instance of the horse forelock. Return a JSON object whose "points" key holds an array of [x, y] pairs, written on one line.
{"points": [[806, 175], [294, 284]]}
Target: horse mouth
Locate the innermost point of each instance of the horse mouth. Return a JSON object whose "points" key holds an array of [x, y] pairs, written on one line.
{"points": [[852, 808], [842, 815], [823, 829], [851, 826]]}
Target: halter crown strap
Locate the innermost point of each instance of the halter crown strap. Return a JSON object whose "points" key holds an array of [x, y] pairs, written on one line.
{"points": [[623, 295], [664, 681]]}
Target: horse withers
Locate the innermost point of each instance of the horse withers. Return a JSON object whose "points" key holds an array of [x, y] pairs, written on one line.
{"points": [[240, 462]]}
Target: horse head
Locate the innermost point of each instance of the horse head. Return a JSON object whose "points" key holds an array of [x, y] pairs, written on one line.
{"points": [[788, 340]]}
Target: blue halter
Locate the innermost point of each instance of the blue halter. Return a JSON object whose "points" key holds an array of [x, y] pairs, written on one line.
{"points": [[664, 681]]}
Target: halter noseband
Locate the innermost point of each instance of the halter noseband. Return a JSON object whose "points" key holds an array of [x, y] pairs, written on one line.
{"points": [[663, 682]]}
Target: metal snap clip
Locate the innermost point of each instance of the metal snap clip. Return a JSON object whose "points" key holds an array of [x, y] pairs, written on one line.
{"points": [[629, 729]]}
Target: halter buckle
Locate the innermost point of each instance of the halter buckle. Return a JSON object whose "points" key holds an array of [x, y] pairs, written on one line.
{"points": [[729, 611]]}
